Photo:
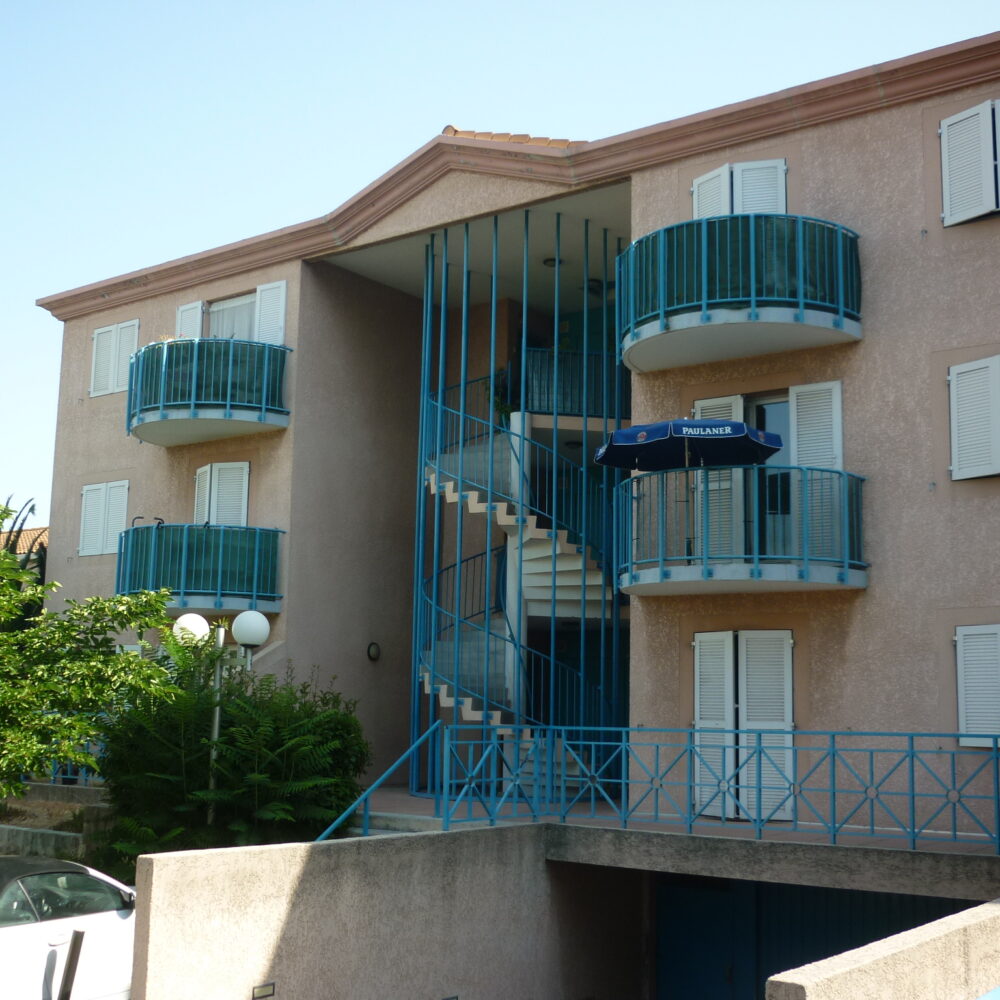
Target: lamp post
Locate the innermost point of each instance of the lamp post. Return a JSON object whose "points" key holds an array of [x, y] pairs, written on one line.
{"points": [[249, 632]]}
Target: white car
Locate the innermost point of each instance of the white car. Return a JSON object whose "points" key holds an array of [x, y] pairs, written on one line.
{"points": [[42, 901]]}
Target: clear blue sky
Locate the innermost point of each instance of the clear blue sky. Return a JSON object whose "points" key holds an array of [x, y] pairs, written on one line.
{"points": [[140, 131]]}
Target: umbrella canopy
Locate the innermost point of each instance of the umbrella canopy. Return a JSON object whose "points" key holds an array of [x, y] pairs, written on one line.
{"points": [[674, 444]]}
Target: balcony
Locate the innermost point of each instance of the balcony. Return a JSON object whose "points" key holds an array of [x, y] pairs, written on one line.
{"points": [[742, 529], [185, 391], [208, 567], [737, 286]]}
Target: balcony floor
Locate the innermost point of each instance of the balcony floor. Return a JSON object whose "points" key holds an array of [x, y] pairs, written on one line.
{"points": [[177, 427], [739, 578]]}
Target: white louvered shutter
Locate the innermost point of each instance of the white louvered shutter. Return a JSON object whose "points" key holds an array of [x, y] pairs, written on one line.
{"points": [[714, 714], [269, 327], [711, 193], [974, 392], [229, 493], [817, 442], [189, 320], [92, 519], [978, 653], [720, 535], [128, 341], [765, 702], [115, 513], [759, 186], [202, 494], [102, 372], [968, 166]]}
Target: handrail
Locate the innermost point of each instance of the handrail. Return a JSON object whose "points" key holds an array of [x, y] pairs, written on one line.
{"points": [[365, 798]]}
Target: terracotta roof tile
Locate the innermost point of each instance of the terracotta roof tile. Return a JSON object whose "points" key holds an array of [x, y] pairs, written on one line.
{"points": [[29, 538], [516, 137]]}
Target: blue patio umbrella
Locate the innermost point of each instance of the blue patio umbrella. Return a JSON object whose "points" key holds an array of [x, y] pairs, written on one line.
{"points": [[676, 444]]}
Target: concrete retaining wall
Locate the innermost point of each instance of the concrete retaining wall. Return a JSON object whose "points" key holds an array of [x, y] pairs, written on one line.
{"points": [[955, 958], [477, 915]]}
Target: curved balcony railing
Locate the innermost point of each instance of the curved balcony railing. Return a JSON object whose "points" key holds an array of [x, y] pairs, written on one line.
{"points": [[204, 565], [739, 529], [782, 269], [182, 391]]}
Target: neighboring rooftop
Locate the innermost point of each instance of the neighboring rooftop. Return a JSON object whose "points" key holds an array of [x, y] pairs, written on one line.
{"points": [[30, 538]]}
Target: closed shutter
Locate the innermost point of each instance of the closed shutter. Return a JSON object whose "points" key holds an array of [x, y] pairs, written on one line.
{"points": [[817, 442], [978, 653], [759, 186], [975, 418], [102, 372], [718, 494], [968, 167], [765, 700], [229, 493], [189, 320], [269, 327], [92, 519], [115, 514], [714, 718], [202, 494], [711, 193], [128, 341]]}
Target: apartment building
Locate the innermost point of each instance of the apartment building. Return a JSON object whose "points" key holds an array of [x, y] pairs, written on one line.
{"points": [[378, 428]]}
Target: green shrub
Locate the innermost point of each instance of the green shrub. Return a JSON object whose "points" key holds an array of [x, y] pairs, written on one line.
{"points": [[289, 757]]}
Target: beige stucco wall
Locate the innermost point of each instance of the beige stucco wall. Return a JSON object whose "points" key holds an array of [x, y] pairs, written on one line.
{"points": [[92, 446], [955, 958], [477, 914], [881, 658]]}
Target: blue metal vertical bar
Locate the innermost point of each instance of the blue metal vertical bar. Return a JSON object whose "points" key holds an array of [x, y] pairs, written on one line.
{"points": [[800, 276], [490, 498], [662, 276], [758, 818], [832, 749], [703, 227], [841, 296], [195, 362], [756, 472], [995, 743], [585, 539], [265, 393], [911, 774], [553, 493], [519, 692], [446, 780], [134, 375], [231, 347], [256, 566], [164, 354], [753, 267], [845, 524]]}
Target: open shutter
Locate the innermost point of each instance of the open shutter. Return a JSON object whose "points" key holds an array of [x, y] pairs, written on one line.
{"points": [[102, 370], [759, 186], [202, 494], [711, 193], [115, 514], [128, 341], [975, 418], [229, 493], [92, 519], [718, 494], [978, 652], [714, 720], [269, 327], [765, 700], [968, 165], [817, 442], [189, 320]]}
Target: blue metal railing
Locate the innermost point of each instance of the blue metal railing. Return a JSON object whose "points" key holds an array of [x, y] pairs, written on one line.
{"points": [[200, 561], [188, 375], [917, 788], [758, 514], [739, 261], [431, 739]]}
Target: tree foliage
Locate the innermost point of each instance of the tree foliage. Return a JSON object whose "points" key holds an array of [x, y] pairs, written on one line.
{"points": [[289, 757], [62, 671]]}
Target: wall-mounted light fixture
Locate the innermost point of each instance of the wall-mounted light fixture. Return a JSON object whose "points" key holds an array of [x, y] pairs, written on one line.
{"points": [[374, 651]]}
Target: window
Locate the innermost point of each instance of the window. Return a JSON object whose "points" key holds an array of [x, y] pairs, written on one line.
{"points": [[977, 650], [754, 186], [113, 346], [220, 493], [968, 164], [102, 517], [743, 681], [258, 315], [974, 399]]}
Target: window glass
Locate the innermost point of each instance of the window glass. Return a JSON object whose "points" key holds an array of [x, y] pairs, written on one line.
{"points": [[71, 894], [233, 319], [14, 906]]}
